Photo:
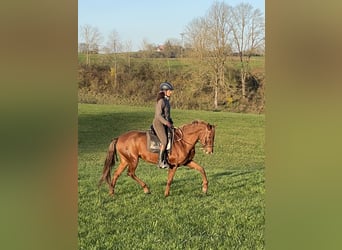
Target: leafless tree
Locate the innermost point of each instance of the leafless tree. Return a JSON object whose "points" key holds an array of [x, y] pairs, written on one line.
{"points": [[247, 37], [114, 43], [196, 33], [209, 37], [91, 38], [128, 48], [114, 46], [147, 48], [218, 30]]}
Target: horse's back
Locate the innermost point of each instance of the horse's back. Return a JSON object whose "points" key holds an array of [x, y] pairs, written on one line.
{"points": [[131, 141], [133, 135]]}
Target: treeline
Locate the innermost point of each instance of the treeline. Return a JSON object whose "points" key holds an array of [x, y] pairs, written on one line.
{"points": [[213, 67], [121, 79]]}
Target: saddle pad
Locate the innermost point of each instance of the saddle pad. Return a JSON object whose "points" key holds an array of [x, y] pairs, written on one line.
{"points": [[153, 142]]}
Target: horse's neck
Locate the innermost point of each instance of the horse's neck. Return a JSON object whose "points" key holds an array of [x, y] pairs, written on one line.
{"points": [[190, 136]]}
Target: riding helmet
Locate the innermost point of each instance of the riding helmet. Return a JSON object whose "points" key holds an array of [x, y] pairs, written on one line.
{"points": [[166, 86]]}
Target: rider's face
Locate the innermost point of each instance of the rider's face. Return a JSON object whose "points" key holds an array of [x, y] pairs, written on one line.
{"points": [[168, 93]]}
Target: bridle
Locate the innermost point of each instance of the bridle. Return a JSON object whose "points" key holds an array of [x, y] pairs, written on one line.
{"points": [[205, 140]]}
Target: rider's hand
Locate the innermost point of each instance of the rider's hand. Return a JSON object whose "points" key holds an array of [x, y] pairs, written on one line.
{"points": [[168, 124]]}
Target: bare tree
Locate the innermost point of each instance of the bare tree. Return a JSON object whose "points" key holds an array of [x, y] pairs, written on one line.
{"points": [[114, 43], [247, 38], [114, 46], [218, 20], [196, 35], [128, 48], [147, 48], [91, 38], [209, 37], [172, 48]]}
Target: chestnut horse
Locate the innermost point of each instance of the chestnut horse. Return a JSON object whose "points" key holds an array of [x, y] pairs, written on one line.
{"points": [[133, 145]]}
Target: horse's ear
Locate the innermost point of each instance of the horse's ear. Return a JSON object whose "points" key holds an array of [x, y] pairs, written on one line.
{"points": [[211, 126]]}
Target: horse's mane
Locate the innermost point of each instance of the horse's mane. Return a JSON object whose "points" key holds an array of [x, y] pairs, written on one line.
{"points": [[194, 122], [197, 122]]}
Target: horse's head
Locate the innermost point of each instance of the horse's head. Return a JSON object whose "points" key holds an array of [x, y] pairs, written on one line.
{"points": [[207, 138]]}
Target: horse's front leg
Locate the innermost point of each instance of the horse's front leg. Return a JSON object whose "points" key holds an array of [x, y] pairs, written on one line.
{"points": [[194, 165], [170, 176]]}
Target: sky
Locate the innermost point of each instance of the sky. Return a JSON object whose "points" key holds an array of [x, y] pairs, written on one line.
{"points": [[154, 21]]}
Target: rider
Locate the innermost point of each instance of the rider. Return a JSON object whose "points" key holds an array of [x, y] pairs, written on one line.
{"points": [[162, 121]]}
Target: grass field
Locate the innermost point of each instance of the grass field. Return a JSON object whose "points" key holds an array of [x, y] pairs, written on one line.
{"points": [[230, 216]]}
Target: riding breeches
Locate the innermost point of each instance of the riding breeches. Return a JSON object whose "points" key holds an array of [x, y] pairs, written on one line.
{"points": [[161, 132]]}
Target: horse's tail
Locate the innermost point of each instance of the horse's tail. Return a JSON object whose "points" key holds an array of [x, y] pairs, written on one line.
{"points": [[109, 162]]}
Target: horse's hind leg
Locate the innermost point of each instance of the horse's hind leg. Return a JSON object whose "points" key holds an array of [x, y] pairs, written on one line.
{"points": [[131, 172], [116, 175]]}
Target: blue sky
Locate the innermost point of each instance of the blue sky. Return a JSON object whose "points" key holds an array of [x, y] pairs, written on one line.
{"points": [[152, 20]]}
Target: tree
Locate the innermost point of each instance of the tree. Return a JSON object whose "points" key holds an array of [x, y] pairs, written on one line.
{"points": [[196, 34], [209, 37], [128, 48], [114, 46], [91, 39], [247, 37], [172, 48], [218, 20], [147, 48]]}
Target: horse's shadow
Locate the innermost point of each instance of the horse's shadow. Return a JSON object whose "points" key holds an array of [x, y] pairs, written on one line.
{"points": [[234, 173], [227, 180], [234, 179]]}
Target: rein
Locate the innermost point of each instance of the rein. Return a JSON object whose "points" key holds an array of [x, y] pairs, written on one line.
{"points": [[181, 138]]}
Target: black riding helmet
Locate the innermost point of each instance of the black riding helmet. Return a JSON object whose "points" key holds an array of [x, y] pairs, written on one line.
{"points": [[166, 86]]}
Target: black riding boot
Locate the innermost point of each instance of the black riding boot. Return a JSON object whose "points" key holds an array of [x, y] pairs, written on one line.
{"points": [[162, 163]]}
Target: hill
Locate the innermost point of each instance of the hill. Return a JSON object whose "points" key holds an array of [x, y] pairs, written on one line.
{"points": [[122, 79]]}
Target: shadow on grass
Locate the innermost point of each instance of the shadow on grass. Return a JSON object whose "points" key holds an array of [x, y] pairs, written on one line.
{"points": [[97, 130], [237, 179]]}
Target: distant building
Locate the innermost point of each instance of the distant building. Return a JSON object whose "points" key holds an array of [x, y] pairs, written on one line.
{"points": [[160, 48]]}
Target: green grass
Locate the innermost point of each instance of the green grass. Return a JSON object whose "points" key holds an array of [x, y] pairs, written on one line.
{"points": [[230, 216]]}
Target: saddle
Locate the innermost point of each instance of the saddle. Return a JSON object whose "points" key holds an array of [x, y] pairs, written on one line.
{"points": [[153, 142]]}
